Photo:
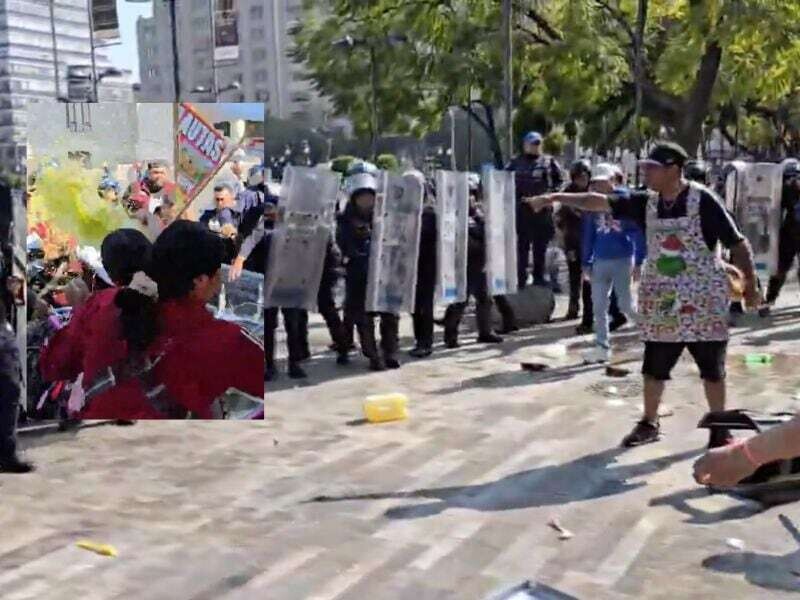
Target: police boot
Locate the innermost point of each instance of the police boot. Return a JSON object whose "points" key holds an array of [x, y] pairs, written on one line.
{"points": [[507, 314], [270, 372], [369, 346], [390, 325], [483, 316], [296, 371], [774, 288], [13, 464], [452, 317]]}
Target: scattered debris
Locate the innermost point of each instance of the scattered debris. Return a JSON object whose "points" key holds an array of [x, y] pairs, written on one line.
{"points": [[553, 351], [616, 402], [617, 372], [613, 390], [97, 548], [274, 442], [563, 534], [533, 367], [735, 543], [386, 407], [758, 358], [665, 411]]}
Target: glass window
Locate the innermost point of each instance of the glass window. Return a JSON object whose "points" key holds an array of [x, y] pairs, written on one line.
{"points": [[256, 12], [259, 54], [260, 75], [257, 33]]}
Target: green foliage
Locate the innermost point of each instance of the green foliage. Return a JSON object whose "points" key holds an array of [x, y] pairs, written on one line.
{"points": [[573, 61], [340, 164], [555, 141], [387, 162]]}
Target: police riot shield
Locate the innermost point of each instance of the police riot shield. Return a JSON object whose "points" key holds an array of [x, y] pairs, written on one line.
{"points": [[756, 203], [452, 219], [499, 203], [394, 249], [299, 240]]}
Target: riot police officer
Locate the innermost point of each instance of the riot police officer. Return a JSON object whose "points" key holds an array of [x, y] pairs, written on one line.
{"points": [[426, 281], [535, 174], [477, 286], [10, 390], [789, 236], [354, 235]]}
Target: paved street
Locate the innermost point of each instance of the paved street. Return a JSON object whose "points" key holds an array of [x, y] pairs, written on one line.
{"points": [[452, 503]]}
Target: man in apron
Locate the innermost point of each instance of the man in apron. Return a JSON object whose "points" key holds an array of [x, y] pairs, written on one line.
{"points": [[684, 292]]}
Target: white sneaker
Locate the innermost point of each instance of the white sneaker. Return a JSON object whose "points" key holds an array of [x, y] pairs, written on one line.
{"points": [[597, 355]]}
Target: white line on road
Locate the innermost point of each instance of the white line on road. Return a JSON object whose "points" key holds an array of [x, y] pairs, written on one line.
{"points": [[445, 546], [613, 568]]}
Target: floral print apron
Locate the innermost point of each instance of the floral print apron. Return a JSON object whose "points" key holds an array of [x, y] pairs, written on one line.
{"points": [[684, 295]]}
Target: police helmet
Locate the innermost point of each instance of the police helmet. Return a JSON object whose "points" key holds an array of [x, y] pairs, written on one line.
{"points": [[362, 166], [474, 181], [791, 170], [579, 167], [107, 183], [255, 176], [361, 181], [696, 170]]}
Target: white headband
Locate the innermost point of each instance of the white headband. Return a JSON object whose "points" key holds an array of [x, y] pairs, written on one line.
{"points": [[144, 285]]}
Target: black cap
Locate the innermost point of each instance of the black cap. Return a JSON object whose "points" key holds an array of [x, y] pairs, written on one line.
{"points": [[580, 166], [667, 154]]}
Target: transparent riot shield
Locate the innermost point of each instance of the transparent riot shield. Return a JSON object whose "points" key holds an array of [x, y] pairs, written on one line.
{"points": [[452, 219], [394, 249], [300, 237], [499, 204], [758, 212], [735, 182]]}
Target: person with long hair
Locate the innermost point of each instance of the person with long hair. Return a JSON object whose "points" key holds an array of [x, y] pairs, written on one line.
{"points": [[148, 348]]}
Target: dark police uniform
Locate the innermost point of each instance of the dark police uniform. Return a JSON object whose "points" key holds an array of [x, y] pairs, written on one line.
{"points": [[789, 240], [426, 280], [477, 287], [214, 220], [534, 175], [354, 237], [10, 389]]}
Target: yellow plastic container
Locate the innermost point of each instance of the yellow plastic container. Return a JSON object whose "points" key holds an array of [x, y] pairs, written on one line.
{"points": [[386, 407]]}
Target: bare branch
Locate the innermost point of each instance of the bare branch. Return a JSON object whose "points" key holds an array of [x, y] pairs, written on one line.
{"points": [[619, 17]]}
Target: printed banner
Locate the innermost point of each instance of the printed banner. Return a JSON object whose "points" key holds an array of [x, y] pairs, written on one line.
{"points": [[104, 19], [226, 32], [200, 151]]}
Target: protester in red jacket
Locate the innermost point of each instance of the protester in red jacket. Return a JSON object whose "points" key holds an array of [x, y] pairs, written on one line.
{"points": [[151, 349]]}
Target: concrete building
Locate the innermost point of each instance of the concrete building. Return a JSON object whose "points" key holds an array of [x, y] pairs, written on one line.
{"points": [[31, 54], [263, 69]]}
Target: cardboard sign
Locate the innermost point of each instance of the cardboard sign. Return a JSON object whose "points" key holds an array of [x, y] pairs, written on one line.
{"points": [[200, 151]]}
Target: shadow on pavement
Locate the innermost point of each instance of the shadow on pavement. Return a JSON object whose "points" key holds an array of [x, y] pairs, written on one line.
{"points": [[590, 476], [680, 502], [769, 571]]}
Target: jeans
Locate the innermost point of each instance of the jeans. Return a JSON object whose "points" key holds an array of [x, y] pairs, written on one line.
{"points": [[607, 275]]}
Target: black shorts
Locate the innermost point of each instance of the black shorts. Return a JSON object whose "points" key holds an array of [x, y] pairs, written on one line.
{"points": [[661, 357]]}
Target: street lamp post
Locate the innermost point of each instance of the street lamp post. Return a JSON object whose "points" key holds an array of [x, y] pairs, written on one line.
{"points": [[55, 46]]}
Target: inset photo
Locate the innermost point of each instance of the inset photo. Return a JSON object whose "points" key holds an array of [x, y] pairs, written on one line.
{"points": [[135, 214]]}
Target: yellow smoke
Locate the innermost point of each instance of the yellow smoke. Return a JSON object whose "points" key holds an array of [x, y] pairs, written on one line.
{"points": [[66, 199]]}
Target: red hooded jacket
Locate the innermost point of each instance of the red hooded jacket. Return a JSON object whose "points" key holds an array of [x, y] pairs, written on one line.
{"points": [[203, 357]]}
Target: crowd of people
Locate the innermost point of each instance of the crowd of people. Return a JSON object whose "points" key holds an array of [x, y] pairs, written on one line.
{"points": [[126, 331]]}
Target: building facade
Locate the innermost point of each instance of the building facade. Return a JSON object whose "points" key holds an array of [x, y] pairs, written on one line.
{"points": [[263, 68], [40, 41]]}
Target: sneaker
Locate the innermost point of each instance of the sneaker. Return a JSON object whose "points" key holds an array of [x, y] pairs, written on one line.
{"points": [[719, 437], [343, 359], [644, 432], [13, 464], [420, 352], [597, 355], [618, 323], [453, 343], [391, 362], [489, 338], [584, 329], [296, 371], [376, 364]]}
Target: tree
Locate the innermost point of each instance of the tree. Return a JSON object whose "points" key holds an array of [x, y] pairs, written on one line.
{"points": [[574, 60]]}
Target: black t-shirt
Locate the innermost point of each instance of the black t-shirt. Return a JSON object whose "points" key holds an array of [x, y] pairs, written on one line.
{"points": [[716, 222]]}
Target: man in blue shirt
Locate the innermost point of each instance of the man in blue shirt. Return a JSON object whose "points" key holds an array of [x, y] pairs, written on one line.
{"points": [[613, 252]]}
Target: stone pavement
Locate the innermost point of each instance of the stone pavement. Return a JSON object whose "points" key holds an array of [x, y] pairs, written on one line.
{"points": [[452, 503]]}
